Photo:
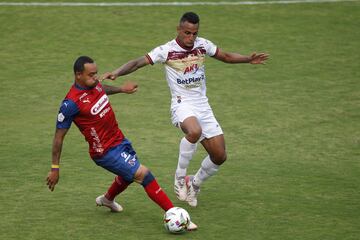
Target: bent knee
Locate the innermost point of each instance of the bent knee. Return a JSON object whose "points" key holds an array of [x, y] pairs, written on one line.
{"points": [[140, 174], [194, 135], [219, 158]]}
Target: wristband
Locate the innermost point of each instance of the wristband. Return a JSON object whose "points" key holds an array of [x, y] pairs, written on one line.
{"points": [[55, 167]]}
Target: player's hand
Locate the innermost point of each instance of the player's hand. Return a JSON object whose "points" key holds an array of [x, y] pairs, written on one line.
{"points": [[129, 87], [52, 179], [108, 75], [260, 58]]}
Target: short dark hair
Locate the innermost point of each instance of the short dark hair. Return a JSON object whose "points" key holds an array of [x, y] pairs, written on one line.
{"points": [[190, 17], [80, 62]]}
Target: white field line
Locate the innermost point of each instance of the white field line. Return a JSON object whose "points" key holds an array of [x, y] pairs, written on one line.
{"points": [[145, 4]]}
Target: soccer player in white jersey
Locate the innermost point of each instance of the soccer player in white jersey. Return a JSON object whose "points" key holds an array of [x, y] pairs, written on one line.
{"points": [[183, 58]]}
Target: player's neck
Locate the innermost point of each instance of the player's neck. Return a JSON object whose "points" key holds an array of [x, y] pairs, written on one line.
{"points": [[81, 87], [183, 45]]}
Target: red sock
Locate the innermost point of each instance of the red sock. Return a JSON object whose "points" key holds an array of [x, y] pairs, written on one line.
{"points": [[116, 188], [155, 192]]}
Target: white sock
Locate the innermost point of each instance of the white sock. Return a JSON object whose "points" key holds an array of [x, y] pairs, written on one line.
{"points": [[186, 151], [207, 169]]}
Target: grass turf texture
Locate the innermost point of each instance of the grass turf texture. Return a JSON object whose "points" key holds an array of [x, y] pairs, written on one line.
{"points": [[292, 126]]}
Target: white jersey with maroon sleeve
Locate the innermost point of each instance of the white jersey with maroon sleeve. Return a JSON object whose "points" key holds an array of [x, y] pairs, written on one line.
{"points": [[185, 70], [185, 74]]}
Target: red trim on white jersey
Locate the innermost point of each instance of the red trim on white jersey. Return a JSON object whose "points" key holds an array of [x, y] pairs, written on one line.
{"points": [[149, 59], [185, 71], [183, 46]]}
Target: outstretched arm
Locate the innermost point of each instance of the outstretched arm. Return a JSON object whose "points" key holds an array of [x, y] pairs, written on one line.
{"points": [[127, 68], [127, 87], [53, 176], [254, 58]]}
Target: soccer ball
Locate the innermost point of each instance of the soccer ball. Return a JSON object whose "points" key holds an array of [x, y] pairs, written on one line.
{"points": [[176, 220]]}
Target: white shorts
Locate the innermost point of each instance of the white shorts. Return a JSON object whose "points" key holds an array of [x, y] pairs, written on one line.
{"points": [[204, 114]]}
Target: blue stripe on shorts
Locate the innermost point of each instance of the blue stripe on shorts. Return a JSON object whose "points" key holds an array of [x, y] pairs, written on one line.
{"points": [[120, 160]]}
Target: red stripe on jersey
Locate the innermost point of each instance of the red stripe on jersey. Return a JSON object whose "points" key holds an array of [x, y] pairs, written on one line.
{"points": [[176, 55], [149, 59]]}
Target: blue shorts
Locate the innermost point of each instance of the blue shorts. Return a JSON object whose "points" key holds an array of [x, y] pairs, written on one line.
{"points": [[120, 160]]}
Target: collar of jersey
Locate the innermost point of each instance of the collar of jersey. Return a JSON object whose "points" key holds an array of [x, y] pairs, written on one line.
{"points": [[81, 88], [183, 46]]}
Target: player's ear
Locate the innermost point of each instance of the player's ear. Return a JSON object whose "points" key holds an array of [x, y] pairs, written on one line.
{"points": [[78, 74]]}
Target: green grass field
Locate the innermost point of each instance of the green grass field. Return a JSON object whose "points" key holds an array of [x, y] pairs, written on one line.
{"points": [[292, 126]]}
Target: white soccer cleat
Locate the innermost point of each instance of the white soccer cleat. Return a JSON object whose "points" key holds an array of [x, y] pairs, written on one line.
{"points": [[192, 191], [180, 188], [192, 227], [103, 201]]}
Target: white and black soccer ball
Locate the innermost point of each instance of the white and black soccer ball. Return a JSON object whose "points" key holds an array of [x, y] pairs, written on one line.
{"points": [[176, 220]]}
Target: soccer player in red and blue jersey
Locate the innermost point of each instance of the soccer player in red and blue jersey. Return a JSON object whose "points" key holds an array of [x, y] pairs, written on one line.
{"points": [[87, 105]]}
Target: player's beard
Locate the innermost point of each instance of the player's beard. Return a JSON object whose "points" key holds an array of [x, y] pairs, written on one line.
{"points": [[96, 82]]}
